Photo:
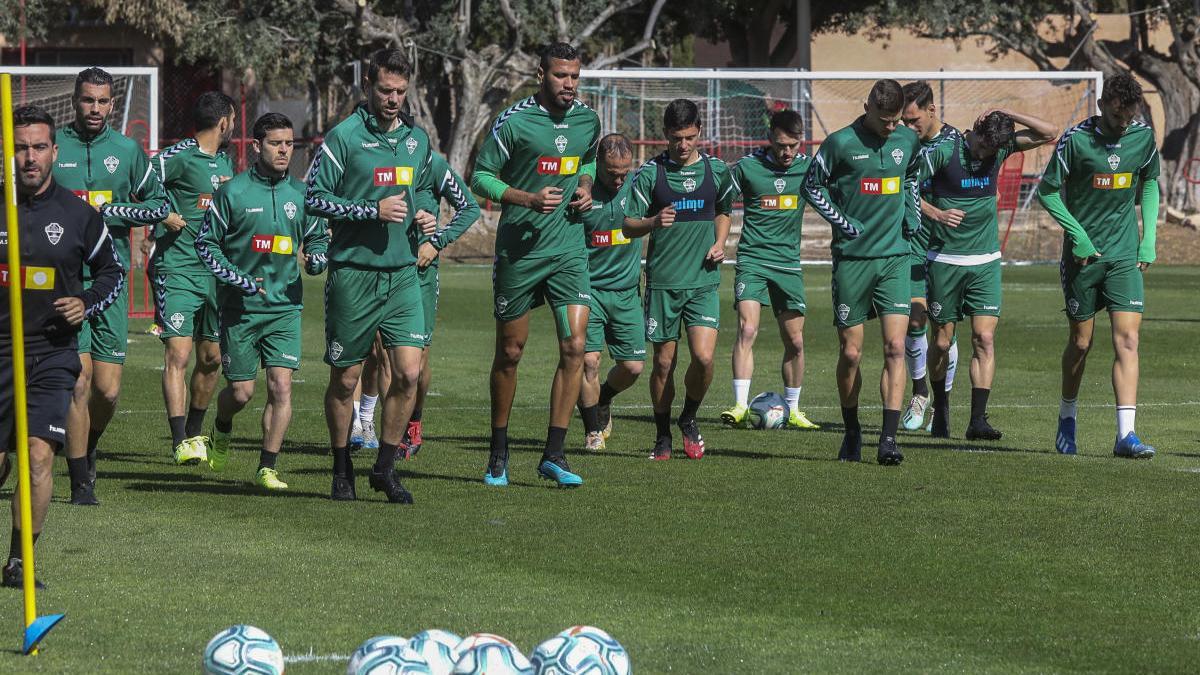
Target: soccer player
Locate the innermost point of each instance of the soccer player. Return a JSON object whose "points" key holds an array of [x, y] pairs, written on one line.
{"points": [[248, 240], [112, 174], [921, 114], [863, 180], [371, 175], [539, 161], [60, 237], [681, 200], [185, 291], [448, 186], [964, 258], [615, 267], [1099, 168], [768, 262]]}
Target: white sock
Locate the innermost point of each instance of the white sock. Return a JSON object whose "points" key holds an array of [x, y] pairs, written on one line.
{"points": [[356, 425], [741, 392], [952, 365], [1067, 409], [916, 348], [1125, 415], [792, 394], [366, 412]]}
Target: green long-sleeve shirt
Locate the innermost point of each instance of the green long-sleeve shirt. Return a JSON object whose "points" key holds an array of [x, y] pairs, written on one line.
{"points": [[190, 177], [249, 241], [448, 185]]}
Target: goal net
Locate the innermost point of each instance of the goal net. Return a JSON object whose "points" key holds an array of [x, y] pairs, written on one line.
{"points": [[736, 106]]}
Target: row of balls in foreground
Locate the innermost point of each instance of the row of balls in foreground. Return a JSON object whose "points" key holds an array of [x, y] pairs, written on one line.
{"points": [[578, 650]]}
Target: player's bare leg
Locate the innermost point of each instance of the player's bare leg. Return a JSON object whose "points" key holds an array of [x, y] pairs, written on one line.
{"points": [[983, 370], [892, 385], [1074, 359], [78, 426], [916, 353], [413, 439], [849, 384], [511, 337], [571, 322], [339, 414], [177, 353], [791, 331], [1126, 327], [662, 394], [596, 395], [939, 362], [376, 378], [749, 312], [404, 365], [203, 385], [231, 400], [41, 489], [702, 343]]}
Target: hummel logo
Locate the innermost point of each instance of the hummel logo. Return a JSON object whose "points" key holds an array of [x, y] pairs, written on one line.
{"points": [[254, 209], [858, 157], [562, 126], [368, 146]]}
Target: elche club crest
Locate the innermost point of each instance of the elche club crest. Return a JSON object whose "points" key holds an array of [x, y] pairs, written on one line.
{"points": [[689, 184], [411, 144], [1114, 161], [177, 321], [651, 326], [54, 233], [501, 303], [561, 143], [739, 289], [898, 155], [935, 308], [1073, 305], [226, 360], [843, 312], [289, 209], [111, 163], [216, 182], [335, 350], [780, 184]]}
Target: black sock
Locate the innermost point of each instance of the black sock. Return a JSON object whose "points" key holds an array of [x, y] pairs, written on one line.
{"points": [[14, 542], [555, 437], [690, 406], [266, 459], [93, 440], [177, 430], [499, 445], [607, 394], [891, 422], [979, 399], [920, 388], [591, 418], [195, 421], [941, 397], [341, 462], [223, 426], [78, 470], [416, 415], [850, 419], [662, 421], [385, 459]]}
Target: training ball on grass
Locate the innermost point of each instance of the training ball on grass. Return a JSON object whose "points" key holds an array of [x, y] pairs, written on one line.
{"points": [[768, 411], [243, 650], [593, 646], [371, 645], [475, 639], [439, 649], [391, 660], [493, 658]]}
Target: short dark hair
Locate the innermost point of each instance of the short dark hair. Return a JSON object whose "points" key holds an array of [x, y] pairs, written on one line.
{"points": [[996, 129], [680, 114], [918, 93], [270, 122], [390, 59], [93, 75], [615, 145], [1123, 89], [29, 115], [789, 122], [563, 51], [887, 95], [210, 108]]}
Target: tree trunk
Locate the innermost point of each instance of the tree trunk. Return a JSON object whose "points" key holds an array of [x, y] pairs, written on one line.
{"points": [[1181, 142]]}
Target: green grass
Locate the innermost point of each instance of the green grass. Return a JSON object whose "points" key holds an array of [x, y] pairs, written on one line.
{"points": [[767, 556]]}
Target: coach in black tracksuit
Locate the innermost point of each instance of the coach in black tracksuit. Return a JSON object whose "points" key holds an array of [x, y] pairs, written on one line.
{"points": [[60, 233]]}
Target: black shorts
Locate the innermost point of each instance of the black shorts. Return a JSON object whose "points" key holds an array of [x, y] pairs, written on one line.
{"points": [[50, 379]]}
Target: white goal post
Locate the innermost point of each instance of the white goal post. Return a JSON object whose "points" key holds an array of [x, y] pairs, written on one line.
{"points": [[135, 90]]}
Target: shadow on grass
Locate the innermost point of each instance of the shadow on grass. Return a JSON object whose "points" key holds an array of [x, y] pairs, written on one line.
{"points": [[956, 445], [406, 473], [222, 488]]}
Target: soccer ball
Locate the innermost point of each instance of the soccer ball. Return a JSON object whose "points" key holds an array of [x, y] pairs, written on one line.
{"points": [[243, 650], [439, 648], [475, 639], [768, 411], [593, 651], [391, 660], [493, 658], [371, 645]]}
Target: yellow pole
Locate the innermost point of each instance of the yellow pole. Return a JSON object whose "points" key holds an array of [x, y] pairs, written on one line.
{"points": [[16, 279]]}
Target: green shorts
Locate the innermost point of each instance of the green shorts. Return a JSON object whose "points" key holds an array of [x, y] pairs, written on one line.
{"points": [[917, 276], [616, 319], [782, 289], [249, 339], [956, 291], [185, 305], [520, 285], [105, 336], [1115, 285], [430, 290], [864, 288], [695, 306], [360, 303]]}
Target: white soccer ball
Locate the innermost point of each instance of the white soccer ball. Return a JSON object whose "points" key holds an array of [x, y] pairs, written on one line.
{"points": [[243, 650], [392, 660], [594, 645], [439, 648], [768, 411], [475, 639], [493, 658], [370, 645]]}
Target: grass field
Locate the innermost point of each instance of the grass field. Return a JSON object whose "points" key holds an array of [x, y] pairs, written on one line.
{"points": [[766, 557]]}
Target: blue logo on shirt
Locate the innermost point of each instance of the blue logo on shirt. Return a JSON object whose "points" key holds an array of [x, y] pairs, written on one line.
{"points": [[976, 182], [688, 205]]}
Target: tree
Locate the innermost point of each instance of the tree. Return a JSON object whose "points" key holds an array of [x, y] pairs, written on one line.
{"points": [[1061, 35], [751, 27]]}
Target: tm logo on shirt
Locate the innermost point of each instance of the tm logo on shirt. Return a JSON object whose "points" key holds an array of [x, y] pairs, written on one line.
{"points": [[879, 186], [1112, 181], [94, 197], [36, 278], [558, 166], [266, 243], [393, 175], [603, 238], [779, 203]]}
